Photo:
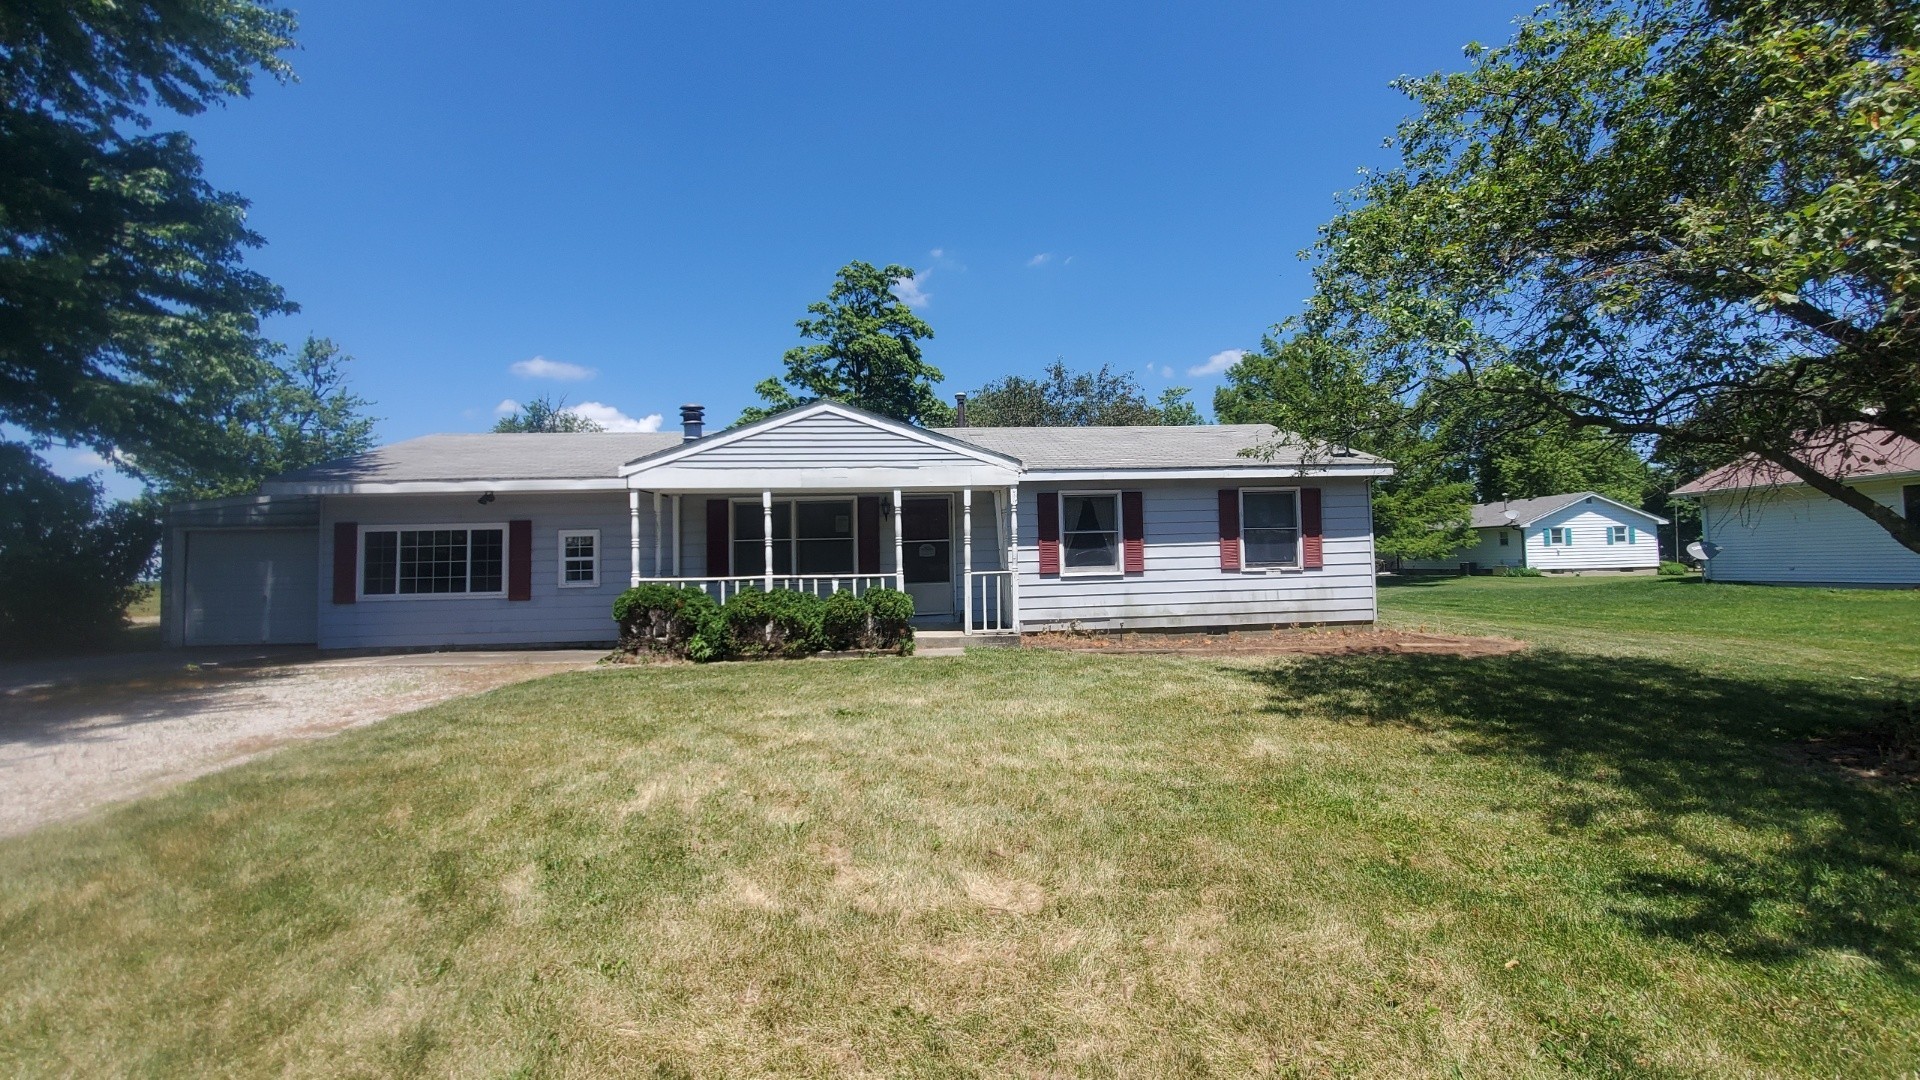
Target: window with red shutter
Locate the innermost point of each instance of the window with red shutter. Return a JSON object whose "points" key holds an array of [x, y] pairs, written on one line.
{"points": [[1312, 550], [1048, 511], [1133, 532], [1230, 528]]}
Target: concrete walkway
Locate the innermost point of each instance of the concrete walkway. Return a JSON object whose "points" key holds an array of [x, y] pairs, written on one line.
{"points": [[78, 733]]}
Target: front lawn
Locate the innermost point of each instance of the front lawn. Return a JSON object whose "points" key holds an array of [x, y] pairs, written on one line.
{"points": [[1575, 860]]}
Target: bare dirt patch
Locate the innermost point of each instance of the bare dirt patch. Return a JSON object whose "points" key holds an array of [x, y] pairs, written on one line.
{"points": [[1337, 641], [66, 748], [1863, 755]]}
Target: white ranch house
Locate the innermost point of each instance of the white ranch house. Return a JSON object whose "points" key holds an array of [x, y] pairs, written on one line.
{"points": [[1761, 526], [1579, 530], [515, 539]]}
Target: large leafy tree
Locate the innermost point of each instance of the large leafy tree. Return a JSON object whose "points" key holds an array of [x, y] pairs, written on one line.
{"points": [[1510, 447], [122, 290], [865, 352], [68, 559], [546, 414], [1324, 400], [1695, 221], [1065, 398], [296, 411]]}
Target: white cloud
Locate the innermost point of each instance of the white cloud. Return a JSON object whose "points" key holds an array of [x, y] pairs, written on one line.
{"points": [[1041, 259], [540, 367], [938, 253], [613, 419], [1218, 362], [1166, 371], [913, 291], [507, 407]]}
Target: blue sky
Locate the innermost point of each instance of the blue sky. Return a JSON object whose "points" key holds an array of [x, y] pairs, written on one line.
{"points": [[645, 197]]}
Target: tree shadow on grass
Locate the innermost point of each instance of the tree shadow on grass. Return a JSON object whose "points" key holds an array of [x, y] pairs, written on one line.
{"points": [[1634, 748]]}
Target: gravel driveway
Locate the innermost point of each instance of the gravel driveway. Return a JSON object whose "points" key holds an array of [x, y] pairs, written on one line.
{"points": [[76, 735]]}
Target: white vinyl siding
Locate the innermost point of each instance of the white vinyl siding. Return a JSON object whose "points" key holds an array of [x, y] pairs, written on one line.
{"points": [[1184, 587], [824, 441], [553, 616], [1796, 536]]}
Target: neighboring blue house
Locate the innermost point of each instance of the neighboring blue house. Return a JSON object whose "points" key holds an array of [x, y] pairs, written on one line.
{"points": [[1580, 530], [498, 539]]}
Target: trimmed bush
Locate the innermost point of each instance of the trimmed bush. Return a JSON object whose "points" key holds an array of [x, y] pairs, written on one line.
{"points": [[778, 623], [1673, 569], [846, 621], [684, 621], [1515, 571], [678, 620], [892, 619]]}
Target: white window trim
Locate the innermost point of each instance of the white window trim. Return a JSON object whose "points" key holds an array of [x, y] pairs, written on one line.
{"points": [[506, 562], [1299, 533], [793, 524], [560, 557], [1119, 568], [1619, 534]]}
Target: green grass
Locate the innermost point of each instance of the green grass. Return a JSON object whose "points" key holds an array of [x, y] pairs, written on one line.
{"points": [[1563, 862], [1871, 633]]}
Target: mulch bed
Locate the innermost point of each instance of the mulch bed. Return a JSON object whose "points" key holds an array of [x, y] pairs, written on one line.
{"points": [[1335, 641]]}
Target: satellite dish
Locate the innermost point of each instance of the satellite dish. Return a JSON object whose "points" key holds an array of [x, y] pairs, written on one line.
{"points": [[1511, 517], [1702, 550]]}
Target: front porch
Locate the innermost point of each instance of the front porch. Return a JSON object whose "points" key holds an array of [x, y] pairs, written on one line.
{"points": [[948, 549]]}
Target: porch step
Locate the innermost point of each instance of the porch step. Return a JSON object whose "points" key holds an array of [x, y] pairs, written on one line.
{"points": [[955, 643]]}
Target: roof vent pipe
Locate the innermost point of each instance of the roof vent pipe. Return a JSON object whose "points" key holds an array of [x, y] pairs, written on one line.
{"points": [[960, 410], [692, 421]]}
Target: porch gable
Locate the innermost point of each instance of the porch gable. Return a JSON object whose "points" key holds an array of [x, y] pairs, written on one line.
{"points": [[825, 445]]}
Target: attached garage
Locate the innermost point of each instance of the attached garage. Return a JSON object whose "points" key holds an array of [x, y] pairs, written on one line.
{"points": [[242, 572]]}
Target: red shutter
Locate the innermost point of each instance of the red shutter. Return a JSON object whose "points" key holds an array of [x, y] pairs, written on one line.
{"points": [[1048, 509], [1312, 555], [719, 530], [868, 541], [346, 561], [1229, 528], [1133, 532], [519, 560]]}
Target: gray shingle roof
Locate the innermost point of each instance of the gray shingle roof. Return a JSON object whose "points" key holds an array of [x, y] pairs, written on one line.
{"points": [[491, 456], [596, 456], [1211, 446]]}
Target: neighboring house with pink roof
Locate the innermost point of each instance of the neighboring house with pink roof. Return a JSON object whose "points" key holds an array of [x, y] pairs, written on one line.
{"points": [[1760, 524]]}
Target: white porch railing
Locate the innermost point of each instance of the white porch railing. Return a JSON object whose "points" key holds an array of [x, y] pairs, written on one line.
{"points": [[989, 602], [723, 589]]}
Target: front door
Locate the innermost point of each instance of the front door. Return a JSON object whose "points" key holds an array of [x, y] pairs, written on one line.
{"points": [[926, 537]]}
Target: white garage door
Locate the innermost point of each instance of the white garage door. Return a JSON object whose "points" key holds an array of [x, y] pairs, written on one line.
{"points": [[252, 587]]}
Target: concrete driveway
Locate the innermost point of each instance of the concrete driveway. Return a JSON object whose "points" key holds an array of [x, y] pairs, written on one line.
{"points": [[76, 734]]}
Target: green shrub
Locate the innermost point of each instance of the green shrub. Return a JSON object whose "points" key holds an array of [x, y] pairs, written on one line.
{"points": [[892, 619], [679, 620], [846, 621], [1515, 571], [778, 623], [1673, 569]]}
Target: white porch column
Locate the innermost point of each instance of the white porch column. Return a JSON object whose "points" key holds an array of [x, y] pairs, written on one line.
{"points": [[899, 545], [676, 536], [766, 535], [633, 538], [1013, 557], [657, 538], [966, 560]]}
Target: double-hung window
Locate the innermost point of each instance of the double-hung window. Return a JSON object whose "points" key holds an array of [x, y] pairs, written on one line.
{"points": [[1616, 534], [1560, 536], [1270, 528], [1090, 532], [579, 558], [458, 560], [810, 536], [1503, 538]]}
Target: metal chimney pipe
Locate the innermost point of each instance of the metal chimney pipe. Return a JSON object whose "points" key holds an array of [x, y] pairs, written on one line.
{"points": [[692, 421], [960, 410]]}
